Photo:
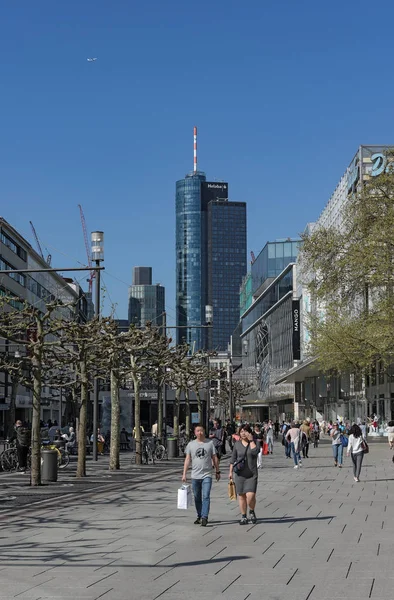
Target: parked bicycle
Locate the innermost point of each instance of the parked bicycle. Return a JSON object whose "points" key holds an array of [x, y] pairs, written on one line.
{"points": [[9, 459], [160, 451]]}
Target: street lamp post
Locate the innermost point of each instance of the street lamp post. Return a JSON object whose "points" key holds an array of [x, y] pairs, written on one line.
{"points": [[97, 240]]}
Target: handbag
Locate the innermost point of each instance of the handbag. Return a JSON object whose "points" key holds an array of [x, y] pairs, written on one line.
{"points": [[265, 449], [344, 441], [239, 464], [232, 494], [365, 447]]}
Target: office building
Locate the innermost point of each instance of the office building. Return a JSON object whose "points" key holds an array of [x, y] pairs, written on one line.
{"points": [[142, 276], [206, 250], [226, 267], [146, 301], [36, 289], [347, 396]]}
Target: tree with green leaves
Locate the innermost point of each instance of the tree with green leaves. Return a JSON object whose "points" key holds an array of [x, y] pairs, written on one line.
{"points": [[349, 272]]}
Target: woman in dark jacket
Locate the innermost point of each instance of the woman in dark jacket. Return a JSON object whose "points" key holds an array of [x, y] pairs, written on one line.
{"points": [[243, 469]]}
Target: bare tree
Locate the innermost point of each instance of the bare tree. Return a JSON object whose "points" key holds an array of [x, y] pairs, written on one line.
{"points": [[38, 333]]}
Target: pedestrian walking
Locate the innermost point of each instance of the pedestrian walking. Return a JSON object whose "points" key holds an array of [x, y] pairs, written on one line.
{"points": [[285, 428], [305, 428], [390, 434], [337, 448], [294, 439], [356, 449], [258, 437], [216, 434], [201, 454], [243, 470], [269, 436], [230, 430]]}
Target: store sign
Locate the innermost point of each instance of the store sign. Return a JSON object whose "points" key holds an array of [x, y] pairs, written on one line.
{"points": [[296, 330], [380, 164]]}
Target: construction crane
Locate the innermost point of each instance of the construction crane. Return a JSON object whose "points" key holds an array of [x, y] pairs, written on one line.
{"points": [[48, 259], [252, 257], [85, 236]]}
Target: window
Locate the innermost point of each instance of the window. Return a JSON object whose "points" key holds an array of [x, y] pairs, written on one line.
{"points": [[18, 277], [9, 242]]}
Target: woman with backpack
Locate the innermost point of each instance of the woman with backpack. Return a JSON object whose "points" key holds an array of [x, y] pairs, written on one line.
{"points": [[243, 470], [355, 448]]}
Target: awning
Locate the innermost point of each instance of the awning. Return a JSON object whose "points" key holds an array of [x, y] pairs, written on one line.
{"points": [[308, 368]]}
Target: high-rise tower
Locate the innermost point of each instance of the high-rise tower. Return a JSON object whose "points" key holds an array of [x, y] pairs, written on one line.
{"points": [[210, 259]]}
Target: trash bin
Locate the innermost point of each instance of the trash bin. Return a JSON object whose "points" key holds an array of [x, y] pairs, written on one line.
{"points": [[49, 460], [172, 447]]}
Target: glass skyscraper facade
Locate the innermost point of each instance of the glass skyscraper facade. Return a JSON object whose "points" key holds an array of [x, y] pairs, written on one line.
{"points": [[226, 267], [191, 289], [210, 261], [146, 301]]}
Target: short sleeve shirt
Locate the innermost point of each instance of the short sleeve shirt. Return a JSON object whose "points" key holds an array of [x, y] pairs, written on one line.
{"points": [[201, 454]]}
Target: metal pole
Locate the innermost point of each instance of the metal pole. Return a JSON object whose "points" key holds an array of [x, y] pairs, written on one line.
{"points": [[96, 382], [61, 407], [6, 271], [164, 427], [230, 389]]}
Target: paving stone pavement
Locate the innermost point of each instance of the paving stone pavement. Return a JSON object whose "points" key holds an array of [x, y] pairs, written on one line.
{"points": [[319, 535]]}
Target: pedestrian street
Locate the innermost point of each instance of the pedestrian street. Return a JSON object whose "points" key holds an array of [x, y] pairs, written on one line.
{"points": [[319, 535]]}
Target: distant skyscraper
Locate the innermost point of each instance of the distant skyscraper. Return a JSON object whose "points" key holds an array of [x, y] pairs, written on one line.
{"points": [[204, 220], [146, 301], [142, 276]]}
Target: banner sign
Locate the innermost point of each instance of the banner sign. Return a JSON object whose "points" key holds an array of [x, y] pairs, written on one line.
{"points": [[296, 330]]}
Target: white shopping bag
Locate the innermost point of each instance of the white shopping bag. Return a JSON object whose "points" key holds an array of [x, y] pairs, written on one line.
{"points": [[184, 497]]}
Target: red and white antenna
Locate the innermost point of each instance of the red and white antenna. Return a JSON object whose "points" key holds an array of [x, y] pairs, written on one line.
{"points": [[195, 150]]}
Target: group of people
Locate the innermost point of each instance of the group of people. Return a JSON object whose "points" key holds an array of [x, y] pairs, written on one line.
{"points": [[202, 455]]}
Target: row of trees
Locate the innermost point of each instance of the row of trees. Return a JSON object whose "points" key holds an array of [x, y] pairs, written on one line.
{"points": [[351, 281], [59, 352]]}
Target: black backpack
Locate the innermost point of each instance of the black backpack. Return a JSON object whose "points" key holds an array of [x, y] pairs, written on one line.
{"points": [[23, 436]]}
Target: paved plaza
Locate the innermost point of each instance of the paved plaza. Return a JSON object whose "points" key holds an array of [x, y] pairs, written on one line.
{"points": [[319, 535]]}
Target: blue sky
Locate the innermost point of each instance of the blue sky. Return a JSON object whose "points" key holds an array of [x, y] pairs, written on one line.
{"points": [[282, 93]]}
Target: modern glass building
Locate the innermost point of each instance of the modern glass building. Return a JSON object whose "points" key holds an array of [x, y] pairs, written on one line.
{"points": [[245, 294], [146, 301], [274, 257], [191, 289], [226, 267]]}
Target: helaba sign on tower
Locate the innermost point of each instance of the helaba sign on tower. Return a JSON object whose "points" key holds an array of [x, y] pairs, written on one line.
{"points": [[213, 190]]}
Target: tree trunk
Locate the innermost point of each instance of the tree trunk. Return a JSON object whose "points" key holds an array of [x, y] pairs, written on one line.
{"points": [[81, 465], [159, 410], [187, 418], [36, 418], [176, 412], [137, 421], [199, 406], [114, 463], [11, 412]]}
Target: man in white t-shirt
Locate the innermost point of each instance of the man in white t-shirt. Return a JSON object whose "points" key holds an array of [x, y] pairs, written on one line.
{"points": [[201, 454]]}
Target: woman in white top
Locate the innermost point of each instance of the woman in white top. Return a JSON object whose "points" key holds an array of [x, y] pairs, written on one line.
{"points": [[356, 449], [390, 431]]}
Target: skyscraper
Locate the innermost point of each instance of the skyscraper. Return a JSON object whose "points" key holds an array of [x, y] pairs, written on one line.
{"points": [[146, 301], [142, 276], [210, 248], [226, 267]]}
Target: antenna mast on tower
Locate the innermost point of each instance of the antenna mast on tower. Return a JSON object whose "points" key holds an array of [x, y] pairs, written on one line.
{"points": [[195, 150]]}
